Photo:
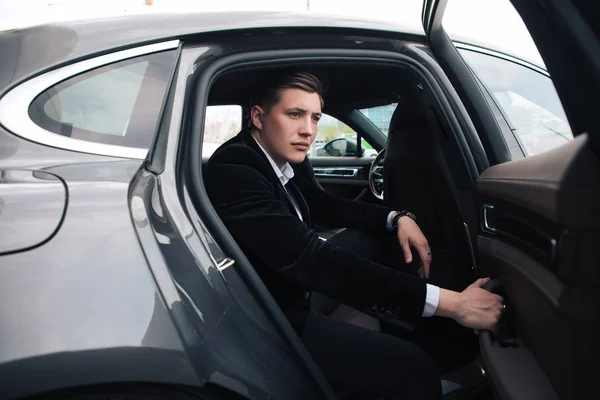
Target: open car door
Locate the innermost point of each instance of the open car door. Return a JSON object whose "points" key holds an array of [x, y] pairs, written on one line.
{"points": [[539, 231]]}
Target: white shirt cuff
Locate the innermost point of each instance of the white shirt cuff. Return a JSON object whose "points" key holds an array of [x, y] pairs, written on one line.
{"points": [[388, 222], [432, 299]]}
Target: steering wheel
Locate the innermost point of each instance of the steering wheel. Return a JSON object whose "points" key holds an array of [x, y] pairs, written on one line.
{"points": [[376, 175]]}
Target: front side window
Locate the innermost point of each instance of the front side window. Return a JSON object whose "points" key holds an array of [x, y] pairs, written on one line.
{"points": [[527, 99], [117, 104], [336, 139]]}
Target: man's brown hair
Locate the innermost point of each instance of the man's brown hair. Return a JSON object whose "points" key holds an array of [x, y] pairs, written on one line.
{"points": [[268, 91]]}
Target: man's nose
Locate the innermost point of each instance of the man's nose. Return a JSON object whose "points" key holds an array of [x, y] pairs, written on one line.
{"points": [[308, 128]]}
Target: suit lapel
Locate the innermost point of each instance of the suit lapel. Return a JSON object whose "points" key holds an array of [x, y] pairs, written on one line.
{"points": [[247, 138], [250, 142], [302, 205]]}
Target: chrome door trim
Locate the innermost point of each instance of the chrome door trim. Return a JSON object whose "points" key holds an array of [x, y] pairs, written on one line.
{"points": [[486, 224], [504, 56], [224, 264], [14, 105], [330, 172]]}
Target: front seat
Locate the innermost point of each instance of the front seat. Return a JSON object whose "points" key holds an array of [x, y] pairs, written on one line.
{"points": [[415, 180]]}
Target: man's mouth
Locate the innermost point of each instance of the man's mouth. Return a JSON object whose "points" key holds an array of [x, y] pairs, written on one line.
{"points": [[301, 145]]}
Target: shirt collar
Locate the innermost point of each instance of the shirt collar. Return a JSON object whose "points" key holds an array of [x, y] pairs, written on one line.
{"points": [[285, 173]]}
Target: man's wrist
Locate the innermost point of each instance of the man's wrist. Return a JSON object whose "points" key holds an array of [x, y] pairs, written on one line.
{"points": [[449, 305], [400, 214]]}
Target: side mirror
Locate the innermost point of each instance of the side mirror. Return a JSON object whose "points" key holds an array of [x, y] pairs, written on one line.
{"points": [[340, 147]]}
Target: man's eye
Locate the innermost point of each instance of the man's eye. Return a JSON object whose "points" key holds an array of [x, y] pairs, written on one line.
{"points": [[295, 114], [316, 119]]}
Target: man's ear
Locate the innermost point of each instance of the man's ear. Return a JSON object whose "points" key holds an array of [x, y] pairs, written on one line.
{"points": [[256, 116]]}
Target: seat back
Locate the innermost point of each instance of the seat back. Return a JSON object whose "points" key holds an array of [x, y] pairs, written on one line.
{"points": [[415, 180]]}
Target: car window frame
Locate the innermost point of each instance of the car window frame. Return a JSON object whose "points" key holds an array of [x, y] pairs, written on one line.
{"points": [[138, 127], [512, 135], [14, 105]]}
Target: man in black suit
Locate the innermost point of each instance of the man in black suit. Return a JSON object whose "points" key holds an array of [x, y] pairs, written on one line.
{"points": [[261, 186]]}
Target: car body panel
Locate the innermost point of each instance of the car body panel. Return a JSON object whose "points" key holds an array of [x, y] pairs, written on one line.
{"points": [[31, 50], [92, 306], [32, 206], [86, 290], [227, 336]]}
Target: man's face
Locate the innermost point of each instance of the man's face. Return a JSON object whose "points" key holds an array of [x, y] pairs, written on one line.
{"points": [[288, 130]]}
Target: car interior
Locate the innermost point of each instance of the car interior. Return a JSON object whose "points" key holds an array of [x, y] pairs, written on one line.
{"points": [[414, 170], [530, 224]]}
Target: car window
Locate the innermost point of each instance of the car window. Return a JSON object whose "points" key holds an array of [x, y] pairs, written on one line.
{"points": [[116, 104], [221, 124], [508, 64], [380, 116], [527, 98], [336, 139]]}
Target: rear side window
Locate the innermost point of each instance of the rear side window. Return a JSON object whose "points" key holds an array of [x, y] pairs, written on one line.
{"points": [[117, 104]]}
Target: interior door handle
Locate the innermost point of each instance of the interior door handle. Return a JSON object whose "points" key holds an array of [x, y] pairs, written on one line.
{"points": [[487, 210], [512, 366], [507, 226], [495, 285]]}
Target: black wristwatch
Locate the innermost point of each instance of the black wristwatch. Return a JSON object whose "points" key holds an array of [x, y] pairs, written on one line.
{"points": [[400, 215]]}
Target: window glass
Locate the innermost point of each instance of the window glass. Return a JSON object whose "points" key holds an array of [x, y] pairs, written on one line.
{"points": [[336, 139], [116, 104], [221, 124], [381, 116], [527, 98], [522, 90]]}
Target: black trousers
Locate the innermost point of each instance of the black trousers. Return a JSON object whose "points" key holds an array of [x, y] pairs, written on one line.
{"points": [[361, 363], [450, 344], [365, 364]]}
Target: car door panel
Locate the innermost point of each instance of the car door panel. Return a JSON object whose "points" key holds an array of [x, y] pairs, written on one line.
{"points": [[538, 223], [346, 177]]}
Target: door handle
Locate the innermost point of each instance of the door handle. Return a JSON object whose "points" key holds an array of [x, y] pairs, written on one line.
{"points": [[487, 211], [496, 286]]}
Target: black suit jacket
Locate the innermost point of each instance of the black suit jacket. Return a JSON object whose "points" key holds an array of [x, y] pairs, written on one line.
{"points": [[285, 251]]}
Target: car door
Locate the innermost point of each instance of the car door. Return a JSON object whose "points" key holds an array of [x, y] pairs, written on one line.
{"points": [[539, 222]]}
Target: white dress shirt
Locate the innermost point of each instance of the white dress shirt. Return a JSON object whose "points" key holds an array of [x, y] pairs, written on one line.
{"points": [[285, 173]]}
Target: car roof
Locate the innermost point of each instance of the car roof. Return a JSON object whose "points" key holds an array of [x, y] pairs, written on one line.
{"points": [[36, 48]]}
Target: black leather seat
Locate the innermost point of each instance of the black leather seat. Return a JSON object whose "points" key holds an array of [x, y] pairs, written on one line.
{"points": [[414, 180]]}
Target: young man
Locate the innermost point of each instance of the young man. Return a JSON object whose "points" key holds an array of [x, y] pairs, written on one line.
{"points": [[261, 185]]}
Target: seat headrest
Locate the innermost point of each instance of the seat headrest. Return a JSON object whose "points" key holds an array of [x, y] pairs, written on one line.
{"points": [[409, 112]]}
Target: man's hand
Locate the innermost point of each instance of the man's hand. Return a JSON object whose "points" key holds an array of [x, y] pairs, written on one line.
{"points": [[409, 234], [474, 307]]}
